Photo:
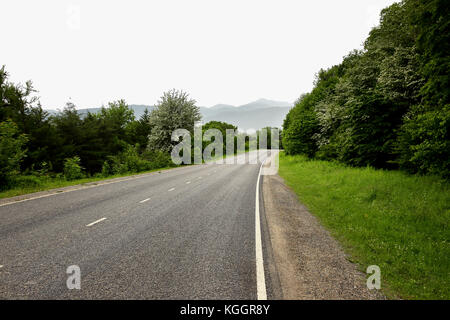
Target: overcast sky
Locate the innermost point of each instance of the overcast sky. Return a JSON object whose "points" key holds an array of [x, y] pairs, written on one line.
{"points": [[228, 51]]}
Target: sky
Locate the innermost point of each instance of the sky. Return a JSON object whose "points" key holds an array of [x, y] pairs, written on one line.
{"points": [[233, 52]]}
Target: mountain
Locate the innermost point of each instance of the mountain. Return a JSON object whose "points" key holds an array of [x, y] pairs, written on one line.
{"points": [[254, 115], [137, 108], [222, 107], [264, 103], [250, 119]]}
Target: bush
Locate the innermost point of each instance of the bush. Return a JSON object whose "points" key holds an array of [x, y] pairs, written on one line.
{"points": [[45, 169], [106, 169], [11, 151], [158, 159], [131, 161], [72, 168], [28, 181], [126, 161]]}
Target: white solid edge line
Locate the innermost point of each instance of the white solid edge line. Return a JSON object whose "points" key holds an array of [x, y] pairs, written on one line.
{"points": [[76, 189], [138, 176], [95, 222], [260, 278], [145, 200]]}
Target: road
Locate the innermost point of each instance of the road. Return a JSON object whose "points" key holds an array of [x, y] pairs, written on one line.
{"points": [[187, 233]]}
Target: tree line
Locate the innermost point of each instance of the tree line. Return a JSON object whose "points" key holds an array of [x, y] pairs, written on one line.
{"points": [[68, 144], [387, 105], [72, 146]]}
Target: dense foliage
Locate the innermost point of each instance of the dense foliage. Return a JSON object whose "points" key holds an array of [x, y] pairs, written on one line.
{"points": [[11, 150], [387, 105], [175, 110], [36, 146], [72, 146]]}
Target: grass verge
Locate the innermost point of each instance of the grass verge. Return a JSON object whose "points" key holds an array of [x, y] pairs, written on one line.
{"points": [[397, 221], [29, 184]]}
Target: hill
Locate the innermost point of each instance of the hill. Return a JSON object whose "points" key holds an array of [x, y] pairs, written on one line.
{"points": [[254, 115]]}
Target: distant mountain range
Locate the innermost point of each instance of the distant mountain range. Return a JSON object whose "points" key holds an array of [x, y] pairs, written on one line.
{"points": [[254, 115]]}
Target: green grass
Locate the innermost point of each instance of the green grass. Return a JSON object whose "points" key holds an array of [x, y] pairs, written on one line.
{"points": [[29, 184], [397, 221]]}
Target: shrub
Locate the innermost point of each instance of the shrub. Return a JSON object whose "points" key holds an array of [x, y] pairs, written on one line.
{"points": [[72, 168], [11, 151], [27, 181], [106, 169], [128, 161], [131, 161], [158, 159]]}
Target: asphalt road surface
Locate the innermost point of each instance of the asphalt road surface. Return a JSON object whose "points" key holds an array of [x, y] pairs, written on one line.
{"points": [[187, 233]]}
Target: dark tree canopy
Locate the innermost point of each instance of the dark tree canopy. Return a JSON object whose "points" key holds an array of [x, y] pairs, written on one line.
{"points": [[387, 105]]}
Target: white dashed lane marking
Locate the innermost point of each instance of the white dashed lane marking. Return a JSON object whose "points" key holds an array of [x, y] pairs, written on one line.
{"points": [[95, 222], [145, 200], [171, 189]]}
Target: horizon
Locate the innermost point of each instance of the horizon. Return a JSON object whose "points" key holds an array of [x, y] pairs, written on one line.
{"points": [[152, 105]]}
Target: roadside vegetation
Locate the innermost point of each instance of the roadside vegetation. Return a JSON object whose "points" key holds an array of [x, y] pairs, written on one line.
{"points": [[387, 105], [39, 151], [397, 221], [24, 184], [368, 150]]}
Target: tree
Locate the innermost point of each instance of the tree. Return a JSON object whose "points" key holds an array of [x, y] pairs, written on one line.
{"points": [[266, 134], [222, 127], [68, 127], [11, 151], [424, 142], [18, 103], [430, 20], [388, 104], [174, 111], [93, 137], [138, 131], [423, 138], [303, 125]]}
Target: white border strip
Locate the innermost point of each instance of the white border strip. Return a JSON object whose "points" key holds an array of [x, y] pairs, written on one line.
{"points": [[260, 278]]}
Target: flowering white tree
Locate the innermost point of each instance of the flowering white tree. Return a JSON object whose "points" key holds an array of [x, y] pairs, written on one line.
{"points": [[174, 111]]}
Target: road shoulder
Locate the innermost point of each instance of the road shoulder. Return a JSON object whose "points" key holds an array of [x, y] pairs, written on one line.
{"points": [[310, 263]]}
